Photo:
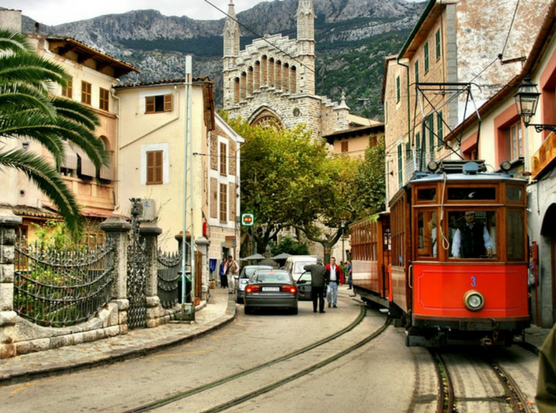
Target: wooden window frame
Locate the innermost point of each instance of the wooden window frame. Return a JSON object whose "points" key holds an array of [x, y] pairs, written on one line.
{"points": [[68, 90], [223, 164], [86, 92], [344, 146], [103, 99], [155, 167], [159, 103], [223, 203], [438, 45]]}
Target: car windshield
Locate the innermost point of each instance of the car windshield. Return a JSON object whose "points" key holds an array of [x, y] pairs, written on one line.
{"points": [[299, 266], [271, 277]]}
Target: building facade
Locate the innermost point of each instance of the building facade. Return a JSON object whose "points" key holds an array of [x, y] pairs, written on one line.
{"points": [[273, 79]]}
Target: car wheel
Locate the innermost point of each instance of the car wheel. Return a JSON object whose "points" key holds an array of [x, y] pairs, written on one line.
{"points": [[248, 310], [294, 310]]}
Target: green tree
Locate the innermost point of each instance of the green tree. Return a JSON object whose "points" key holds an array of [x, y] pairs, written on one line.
{"points": [[28, 109], [280, 176]]}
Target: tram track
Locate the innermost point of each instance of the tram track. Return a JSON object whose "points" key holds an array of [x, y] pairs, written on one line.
{"points": [[467, 380], [311, 355]]}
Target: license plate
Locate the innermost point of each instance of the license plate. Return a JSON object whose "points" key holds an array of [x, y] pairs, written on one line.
{"points": [[271, 289]]}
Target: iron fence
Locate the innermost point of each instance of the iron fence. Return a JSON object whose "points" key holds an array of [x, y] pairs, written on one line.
{"points": [[169, 265], [59, 288]]}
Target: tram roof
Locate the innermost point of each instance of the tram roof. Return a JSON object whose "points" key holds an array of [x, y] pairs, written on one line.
{"points": [[478, 177]]}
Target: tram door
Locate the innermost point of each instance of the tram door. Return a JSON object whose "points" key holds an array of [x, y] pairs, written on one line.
{"points": [[386, 253]]}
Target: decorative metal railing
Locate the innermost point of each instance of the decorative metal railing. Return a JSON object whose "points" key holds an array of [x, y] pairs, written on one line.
{"points": [[169, 265], [136, 272], [59, 288]]}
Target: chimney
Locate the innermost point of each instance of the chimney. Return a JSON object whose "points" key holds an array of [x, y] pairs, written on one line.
{"points": [[11, 20]]}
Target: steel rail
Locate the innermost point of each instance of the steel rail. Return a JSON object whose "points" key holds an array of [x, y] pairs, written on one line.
{"points": [[216, 383], [516, 398], [445, 402]]}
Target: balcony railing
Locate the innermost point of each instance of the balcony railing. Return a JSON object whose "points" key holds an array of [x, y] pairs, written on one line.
{"points": [[544, 157]]}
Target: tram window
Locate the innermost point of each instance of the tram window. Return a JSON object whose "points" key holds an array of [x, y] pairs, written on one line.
{"points": [[515, 235], [514, 194], [472, 234], [426, 194], [426, 234], [471, 194]]}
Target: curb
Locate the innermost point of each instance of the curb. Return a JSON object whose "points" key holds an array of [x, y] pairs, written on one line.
{"points": [[110, 357]]}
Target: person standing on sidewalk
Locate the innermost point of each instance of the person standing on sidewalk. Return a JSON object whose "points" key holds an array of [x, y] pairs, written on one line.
{"points": [[318, 284], [231, 270], [336, 278], [222, 274], [349, 275]]}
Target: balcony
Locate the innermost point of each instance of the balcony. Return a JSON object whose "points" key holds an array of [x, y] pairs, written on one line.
{"points": [[544, 157]]}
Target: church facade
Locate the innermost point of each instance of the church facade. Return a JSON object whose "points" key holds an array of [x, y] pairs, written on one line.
{"points": [[273, 79]]}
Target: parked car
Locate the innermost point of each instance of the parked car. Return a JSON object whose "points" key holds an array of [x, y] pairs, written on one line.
{"points": [[243, 278], [304, 286], [270, 289]]}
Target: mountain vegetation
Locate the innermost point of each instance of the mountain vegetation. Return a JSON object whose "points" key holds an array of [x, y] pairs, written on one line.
{"points": [[353, 38]]}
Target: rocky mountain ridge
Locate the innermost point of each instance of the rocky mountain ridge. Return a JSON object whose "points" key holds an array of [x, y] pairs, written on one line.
{"points": [[353, 37]]}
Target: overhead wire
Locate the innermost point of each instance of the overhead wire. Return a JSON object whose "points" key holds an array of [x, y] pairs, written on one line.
{"points": [[261, 37]]}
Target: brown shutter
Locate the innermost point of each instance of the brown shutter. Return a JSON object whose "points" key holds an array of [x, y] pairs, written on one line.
{"points": [[149, 101], [168, 103], [154, 168]]}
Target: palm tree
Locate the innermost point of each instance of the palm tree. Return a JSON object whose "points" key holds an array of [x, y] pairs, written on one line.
{"points": [[28, 109]]}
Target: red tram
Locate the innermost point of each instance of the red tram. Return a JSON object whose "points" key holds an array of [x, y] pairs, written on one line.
{"points": [[450, 258]]}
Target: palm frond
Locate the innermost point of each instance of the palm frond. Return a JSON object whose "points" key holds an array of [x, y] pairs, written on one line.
{"points": [[48, 180]]}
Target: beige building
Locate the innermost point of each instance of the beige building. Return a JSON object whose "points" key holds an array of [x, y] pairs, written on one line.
{"points": [[153, 164], [93, 75], [361, 134]]}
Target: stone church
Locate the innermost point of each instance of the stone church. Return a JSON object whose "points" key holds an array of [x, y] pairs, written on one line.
{"points": [[273, 79]]}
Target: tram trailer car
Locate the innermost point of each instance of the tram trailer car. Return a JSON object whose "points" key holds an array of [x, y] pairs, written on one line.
{"points": [[409, 260]]}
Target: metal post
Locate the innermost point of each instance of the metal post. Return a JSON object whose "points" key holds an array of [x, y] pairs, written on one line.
{"points": [[188, 190]]}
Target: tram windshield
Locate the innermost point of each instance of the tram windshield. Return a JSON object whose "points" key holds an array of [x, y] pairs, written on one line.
{"points": [[472, 234]]}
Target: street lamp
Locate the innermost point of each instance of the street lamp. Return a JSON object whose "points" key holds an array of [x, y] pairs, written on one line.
{"points": [[526, 101]]}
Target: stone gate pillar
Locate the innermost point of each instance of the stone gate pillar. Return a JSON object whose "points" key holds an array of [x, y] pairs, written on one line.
{"points": [[8, 317], [202, 245], [117, 230], [150, 232]]}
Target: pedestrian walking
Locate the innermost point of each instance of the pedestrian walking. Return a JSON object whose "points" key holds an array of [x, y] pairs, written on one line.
{"points": [[335, 279], [222, 274], [318, 284], [349, 275], [231, 270]]}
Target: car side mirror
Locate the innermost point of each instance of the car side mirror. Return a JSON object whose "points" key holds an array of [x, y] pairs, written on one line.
{"points": [[236, 277], [302, 281]]}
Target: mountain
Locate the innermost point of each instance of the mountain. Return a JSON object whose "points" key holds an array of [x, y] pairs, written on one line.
{"points": [[353, 38]]}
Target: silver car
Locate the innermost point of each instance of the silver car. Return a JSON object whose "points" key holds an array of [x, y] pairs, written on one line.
{"points": [[243, 279], [274, 289]]}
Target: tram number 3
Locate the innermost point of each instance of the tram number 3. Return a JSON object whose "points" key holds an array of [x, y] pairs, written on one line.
{"points": [[473, 281]]}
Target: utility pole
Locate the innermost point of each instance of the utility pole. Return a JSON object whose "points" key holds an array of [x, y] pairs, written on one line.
{"points": [[188, 193]]}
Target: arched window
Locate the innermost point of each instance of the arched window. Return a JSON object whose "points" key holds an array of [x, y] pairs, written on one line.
{"points": [[293, 80], [257, 76]]}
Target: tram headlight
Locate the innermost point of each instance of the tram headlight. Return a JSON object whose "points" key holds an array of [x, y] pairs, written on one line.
{"points": [[473, 300]]}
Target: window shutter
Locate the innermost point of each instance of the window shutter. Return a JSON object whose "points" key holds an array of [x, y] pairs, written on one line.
{"points": [[168, 103], [149, 100], [154, 168]]}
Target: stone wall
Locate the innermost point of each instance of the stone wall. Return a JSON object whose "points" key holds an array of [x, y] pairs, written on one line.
{"points": [[19, 336]]}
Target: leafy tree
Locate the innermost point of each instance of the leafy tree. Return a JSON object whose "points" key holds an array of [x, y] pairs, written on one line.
{"points": [[290, 246], [280, 176], [27, 108], [371, 181]]}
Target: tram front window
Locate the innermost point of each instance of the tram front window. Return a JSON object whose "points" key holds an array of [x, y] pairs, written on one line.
{"points": [[427, 234], [472, 234]]}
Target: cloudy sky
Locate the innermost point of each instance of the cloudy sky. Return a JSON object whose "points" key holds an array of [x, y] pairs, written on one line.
{"points": [[53, 12]]}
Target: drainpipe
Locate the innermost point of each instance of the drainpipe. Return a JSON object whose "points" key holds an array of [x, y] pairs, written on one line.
{"points": [[116, 159]]}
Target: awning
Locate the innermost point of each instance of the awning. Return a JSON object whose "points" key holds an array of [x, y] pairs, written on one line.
{"points": [[87, 167], [70, 161]]}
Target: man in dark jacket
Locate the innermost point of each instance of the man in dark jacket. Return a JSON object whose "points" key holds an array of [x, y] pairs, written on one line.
{"points": [[319, 280]]}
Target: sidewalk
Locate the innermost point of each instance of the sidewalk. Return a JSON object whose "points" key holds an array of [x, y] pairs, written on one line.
{"points": [[218, 311]]}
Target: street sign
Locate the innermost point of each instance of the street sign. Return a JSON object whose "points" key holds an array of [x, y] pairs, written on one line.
{"points": [[247, 219]]}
